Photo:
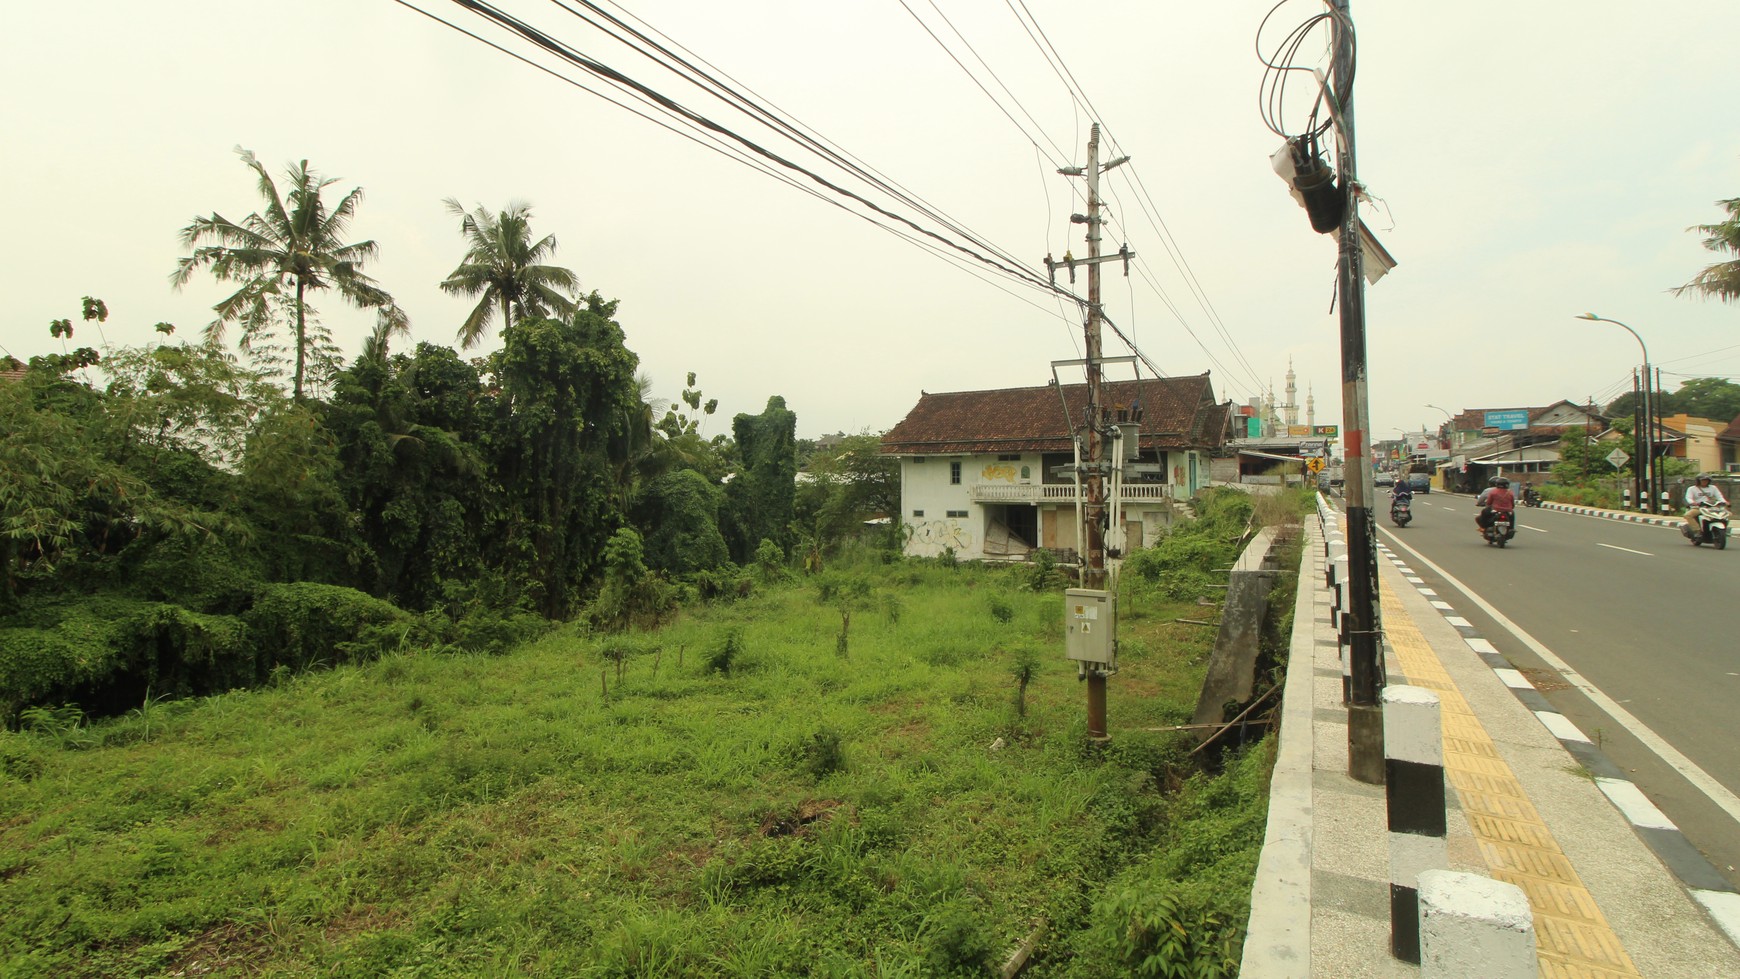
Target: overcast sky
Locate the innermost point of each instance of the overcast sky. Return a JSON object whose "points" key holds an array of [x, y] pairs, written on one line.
{"points": [[1535, 160]]}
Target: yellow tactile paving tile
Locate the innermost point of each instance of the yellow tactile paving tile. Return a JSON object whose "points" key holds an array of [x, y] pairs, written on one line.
{"points": [[1554, 969], [1572, 937]]}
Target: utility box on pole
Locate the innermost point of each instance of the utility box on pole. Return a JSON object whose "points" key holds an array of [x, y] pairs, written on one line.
{"points": [[1091, 627]]}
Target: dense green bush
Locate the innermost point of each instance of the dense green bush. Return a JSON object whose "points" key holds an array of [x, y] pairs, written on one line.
{"points": [[105, 653], [304, 624]]}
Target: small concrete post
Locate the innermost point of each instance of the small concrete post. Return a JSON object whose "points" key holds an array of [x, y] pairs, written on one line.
{"points": [[1414, 796], [1474, 926], [1339, 624]]}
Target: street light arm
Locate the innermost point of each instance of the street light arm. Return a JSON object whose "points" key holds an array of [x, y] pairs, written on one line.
{"points": [[1602, 319]]}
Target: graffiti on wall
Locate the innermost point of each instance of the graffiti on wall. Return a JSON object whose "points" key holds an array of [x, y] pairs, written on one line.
{"points": [[997, 471], [939, 534]]}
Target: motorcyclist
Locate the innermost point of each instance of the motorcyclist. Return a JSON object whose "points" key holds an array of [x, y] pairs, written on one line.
{"points": [[1401, 492], [1531, 496], [1494, 499], [1702, 493]]}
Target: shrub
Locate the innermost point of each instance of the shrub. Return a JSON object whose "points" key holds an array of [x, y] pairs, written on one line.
{"points": [[724, 654], [104, 653], [1001, 610], [303, 623], [823, 753]]}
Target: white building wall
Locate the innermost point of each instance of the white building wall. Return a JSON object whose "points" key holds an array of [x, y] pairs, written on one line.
{"points": [[939, 515], [927, 500]]}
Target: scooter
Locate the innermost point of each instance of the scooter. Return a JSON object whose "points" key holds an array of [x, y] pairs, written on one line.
{"points": [[1530, 497], [1502, 529], [1401, 511], [1712, 528]]}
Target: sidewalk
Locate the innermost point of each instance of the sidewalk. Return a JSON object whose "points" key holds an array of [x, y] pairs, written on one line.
{"points": [[1530, 800]]}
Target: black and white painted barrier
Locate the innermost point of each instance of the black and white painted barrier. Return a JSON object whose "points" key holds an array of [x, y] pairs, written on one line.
{"points": [[1335, 576], [1475, 926], [1414, 798]]}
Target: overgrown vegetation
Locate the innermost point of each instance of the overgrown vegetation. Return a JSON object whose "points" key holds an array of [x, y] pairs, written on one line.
{"points": [[765, 808]]}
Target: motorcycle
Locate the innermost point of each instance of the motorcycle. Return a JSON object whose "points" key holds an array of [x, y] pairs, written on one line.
{"points": [[1712, 528], [1401, 511], [1530, 497], [1502, 529]]}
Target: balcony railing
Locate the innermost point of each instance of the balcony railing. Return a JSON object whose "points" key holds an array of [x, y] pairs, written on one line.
{"points": [[1060, 492]]}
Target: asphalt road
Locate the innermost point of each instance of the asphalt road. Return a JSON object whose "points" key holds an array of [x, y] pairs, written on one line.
{"points": [[1610, 619]]}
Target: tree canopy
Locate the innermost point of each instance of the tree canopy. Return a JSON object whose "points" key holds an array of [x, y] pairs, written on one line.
{"points": [[503, 269], [296, 243], [1722, 280]]}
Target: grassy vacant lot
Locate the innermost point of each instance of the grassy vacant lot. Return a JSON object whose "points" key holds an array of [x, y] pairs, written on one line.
{"points": [[744, 798]]}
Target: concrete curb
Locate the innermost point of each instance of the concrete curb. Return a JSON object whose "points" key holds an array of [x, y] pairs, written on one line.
{"points": [[1589, 511], [1278, 935]]}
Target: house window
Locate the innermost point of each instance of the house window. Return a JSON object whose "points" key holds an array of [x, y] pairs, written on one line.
{"points": [[1014, 457], [918, 513], [957, 513], [954, 473], [919, 460]]}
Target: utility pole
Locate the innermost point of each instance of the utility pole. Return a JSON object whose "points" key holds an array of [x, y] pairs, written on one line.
{"points": [[1657, 467], [1637, 478], [1365, 725], [1094, 466], [1094, 554]]}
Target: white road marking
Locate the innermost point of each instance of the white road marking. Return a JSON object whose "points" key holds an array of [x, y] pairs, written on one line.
{"points": [[1715, 791], [1631, 801], [1725, 908], [1561, 727], [1535, 529], [1513, 679], [1627, 550], [1458, 621]]}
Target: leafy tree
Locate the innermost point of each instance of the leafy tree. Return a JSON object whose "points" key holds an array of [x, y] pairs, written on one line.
{"points": [[413, 470], [1715, 398], [502, 267], [566, 388], [762, 496], [65, 500], [679, 517], [296, 244], [290, 490], [1721, 280], [1581, 459]]}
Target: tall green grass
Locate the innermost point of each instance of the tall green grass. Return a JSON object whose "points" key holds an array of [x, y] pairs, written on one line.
{"points": [[589, 807]]}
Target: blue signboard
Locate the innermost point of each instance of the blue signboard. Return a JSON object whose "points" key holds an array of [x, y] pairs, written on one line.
{"points": [[1516, 418]]}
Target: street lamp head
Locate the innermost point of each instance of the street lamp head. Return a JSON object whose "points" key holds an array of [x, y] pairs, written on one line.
{"points": [[1588, 316]]}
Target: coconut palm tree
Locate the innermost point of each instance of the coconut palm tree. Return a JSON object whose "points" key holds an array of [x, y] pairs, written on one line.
{"points": [[297, 244], [502, 267], [1722, 280]]}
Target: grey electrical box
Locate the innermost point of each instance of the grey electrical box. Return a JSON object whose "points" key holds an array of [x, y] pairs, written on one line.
{"points": [[1090, 622]]}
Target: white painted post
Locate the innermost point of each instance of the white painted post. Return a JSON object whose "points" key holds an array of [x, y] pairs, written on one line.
{"points": [[1474, 926], [1414, 797]]}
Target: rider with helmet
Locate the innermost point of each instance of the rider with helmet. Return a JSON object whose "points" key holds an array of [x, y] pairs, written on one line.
{"points": [[1702, 493], [1496, 498]]}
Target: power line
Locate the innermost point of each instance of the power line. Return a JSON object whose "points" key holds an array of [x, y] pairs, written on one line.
{"points": [[688, 116]]}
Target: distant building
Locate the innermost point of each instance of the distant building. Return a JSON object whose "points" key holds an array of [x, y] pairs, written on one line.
{"points": [[989, 474], [1486, 442]]}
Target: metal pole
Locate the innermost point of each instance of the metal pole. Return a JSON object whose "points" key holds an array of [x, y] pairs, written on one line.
{"points": [[1657, 467], [1365, 733], [1094, 562], [1637, 403]]}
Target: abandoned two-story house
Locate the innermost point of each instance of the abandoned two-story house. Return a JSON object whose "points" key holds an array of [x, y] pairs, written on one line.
{"points": [[990, 474]]}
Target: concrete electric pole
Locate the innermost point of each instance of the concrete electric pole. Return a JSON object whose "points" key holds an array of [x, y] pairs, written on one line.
{"points": [[1365, 725], [1092, 434]]}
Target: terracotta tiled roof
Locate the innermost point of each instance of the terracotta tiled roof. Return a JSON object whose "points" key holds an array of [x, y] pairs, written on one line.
{"points": [[1732, 432], [1177, 412]]}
